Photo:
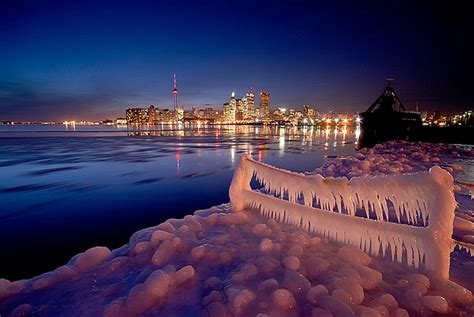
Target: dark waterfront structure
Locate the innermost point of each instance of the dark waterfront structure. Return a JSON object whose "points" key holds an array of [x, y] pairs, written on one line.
{"points": [[387, 119]]}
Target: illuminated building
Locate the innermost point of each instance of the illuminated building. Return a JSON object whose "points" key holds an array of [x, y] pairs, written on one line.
{"points": [[230, 109], [195, 112], [137, 115], [209, 113], [179, 114], [120, 121], [310, 112], [233, 105], [142, 115], [152, 115], [264, 105], [229, 113], [249, 105], [279, 115], [167, 116], [240, 109]]}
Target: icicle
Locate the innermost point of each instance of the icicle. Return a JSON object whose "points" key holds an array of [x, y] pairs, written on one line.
{"points": [[424, 198], [468, 247]]}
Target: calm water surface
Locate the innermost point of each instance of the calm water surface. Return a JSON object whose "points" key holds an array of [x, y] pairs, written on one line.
{"points": [[65, 190]]}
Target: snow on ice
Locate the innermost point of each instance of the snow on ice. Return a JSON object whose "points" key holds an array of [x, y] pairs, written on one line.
{"points": [[381, 214], [218, 262]]}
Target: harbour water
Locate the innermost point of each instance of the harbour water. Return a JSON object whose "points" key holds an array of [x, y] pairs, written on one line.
{"points": [[65, 189]]}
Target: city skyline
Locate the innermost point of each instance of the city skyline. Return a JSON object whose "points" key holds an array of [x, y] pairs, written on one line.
{"points": [[88, 60]]}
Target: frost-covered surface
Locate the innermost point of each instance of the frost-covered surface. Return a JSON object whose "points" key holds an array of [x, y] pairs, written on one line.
{"points": [[404, 157], [366, 212], [218, 262]]}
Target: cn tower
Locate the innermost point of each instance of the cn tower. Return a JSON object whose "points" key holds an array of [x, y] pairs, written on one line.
{"points": [[175, 93]]}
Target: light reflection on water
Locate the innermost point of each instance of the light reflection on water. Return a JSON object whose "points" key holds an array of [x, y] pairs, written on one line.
{"points": [[63, 191]]}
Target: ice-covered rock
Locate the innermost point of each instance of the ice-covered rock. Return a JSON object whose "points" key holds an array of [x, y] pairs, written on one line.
{"points": [[22, 310], [161, 235], [242, 300], [266, 245], [400, 312], [295, 282], [158, 283], [335, 306], [386, 300], [320, 312], [261, 230], [214, 296], [213, 282], [456, 293], [419, 282], [342, 296], [291, 262], [142, 247], [43, 282], [138, 301], [354, 255], [268, 285], [382, 310], [91, 258], [315, 292], [413, 300], [362, 311], [437, 304], [315, 265], [114, 309], [352, 288], [296, 250], [369, 278], [245, 273], [283, 299], [164, 253], [217, 309], [184, 274], [198, 252]]}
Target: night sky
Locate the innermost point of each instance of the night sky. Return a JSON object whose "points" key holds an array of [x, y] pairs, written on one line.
{"points": [[82, 60]]}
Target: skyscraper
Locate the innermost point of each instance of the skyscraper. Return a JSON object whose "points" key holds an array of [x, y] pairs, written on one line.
{"points": [[249, 105], [209, 113], [233, 107], [264, 105], [240, 109], [141, 115], [179, 114], [229, 113], [152, 115]]}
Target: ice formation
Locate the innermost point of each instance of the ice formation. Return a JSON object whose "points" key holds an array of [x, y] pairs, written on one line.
{"points": [[218, 262], [328, 207]]}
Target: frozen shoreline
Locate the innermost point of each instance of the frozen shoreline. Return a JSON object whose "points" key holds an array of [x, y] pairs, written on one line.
{"points": [[218, 262]]}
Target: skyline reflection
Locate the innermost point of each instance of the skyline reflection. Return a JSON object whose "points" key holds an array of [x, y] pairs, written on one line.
{"points": [[113, 182]]}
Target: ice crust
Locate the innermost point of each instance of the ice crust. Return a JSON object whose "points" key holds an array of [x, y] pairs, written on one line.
{"points": [[219, 262], [328, 207]]}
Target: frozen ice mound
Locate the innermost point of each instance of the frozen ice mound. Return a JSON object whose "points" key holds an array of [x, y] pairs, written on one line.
{"points": [[225, 268]]}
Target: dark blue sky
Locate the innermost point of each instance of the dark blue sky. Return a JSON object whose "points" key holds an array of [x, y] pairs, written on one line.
{"points": [[82, 60]]}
